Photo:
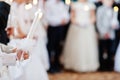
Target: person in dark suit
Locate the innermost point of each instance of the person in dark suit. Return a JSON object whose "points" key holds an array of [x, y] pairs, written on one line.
{"points": [[4, 12], [117, 31], [107, 36]]}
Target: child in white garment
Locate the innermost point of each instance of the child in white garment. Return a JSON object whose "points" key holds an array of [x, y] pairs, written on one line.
{"points": [[9, 58], [32, 68]]}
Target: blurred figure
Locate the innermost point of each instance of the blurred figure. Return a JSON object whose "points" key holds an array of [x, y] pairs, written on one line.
{"points": [[80, 52], [57, 15], [117, 60], [4, 12], [21, 18], [106, 28], [41, 5], [117, 31], [21, 26], [8, 57], [43, 35], [117, 55]]}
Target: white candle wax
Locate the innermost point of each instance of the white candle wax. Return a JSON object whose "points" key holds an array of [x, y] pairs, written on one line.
{"points": [[38, 15]]}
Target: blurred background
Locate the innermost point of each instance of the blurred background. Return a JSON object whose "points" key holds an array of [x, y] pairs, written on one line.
{"points": [[75, 39]]}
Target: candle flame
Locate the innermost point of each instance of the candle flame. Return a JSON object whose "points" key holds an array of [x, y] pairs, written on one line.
{"points": [[11, 0], [35, 2], [116, 9], [68, 2], [39, 12]]}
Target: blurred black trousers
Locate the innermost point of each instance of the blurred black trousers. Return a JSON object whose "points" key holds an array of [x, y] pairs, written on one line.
{"points": [[55, 37], [106, 46]]}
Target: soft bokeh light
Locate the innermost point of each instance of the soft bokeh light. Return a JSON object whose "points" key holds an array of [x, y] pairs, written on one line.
{"points": [[28, 6], [11, 0], [116, 9], [86, 8], [40, 13], [35, 2], [68, 2]]}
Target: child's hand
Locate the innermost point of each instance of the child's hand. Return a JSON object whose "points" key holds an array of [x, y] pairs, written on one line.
{"points": [[26, 56], [106, 36], [63, 22], [20, 53], [10, 31], [14, 50]]}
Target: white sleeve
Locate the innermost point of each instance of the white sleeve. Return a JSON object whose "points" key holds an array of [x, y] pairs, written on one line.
{"points": [[100, 25], [6, 49], [66, 13]]}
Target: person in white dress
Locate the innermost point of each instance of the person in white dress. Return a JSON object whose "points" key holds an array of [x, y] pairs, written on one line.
{"points": [[43, 35], [41, 5], [21, 19], [80, 52], [26, 21]]}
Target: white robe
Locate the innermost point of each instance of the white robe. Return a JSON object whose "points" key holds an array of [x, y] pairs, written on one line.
{"points": [[35, 67]]}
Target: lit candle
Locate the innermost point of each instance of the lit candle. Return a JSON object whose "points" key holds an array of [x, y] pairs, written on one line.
{"points": [[35, 2], [115, 15], [68, 2], [38, 16], [116, 11]]}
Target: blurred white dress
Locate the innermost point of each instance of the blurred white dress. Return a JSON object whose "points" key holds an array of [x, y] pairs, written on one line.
{"points": [[30, 69], [80, 52], [117, 60], [24, 20], [35, 67]]}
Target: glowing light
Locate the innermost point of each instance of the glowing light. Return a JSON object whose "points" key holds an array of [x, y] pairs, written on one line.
{"points": [[86, 8], [35, 2], [11, 0], [116, 9], [40, 13], [68, 2], [28, 6], [38, 16]]}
